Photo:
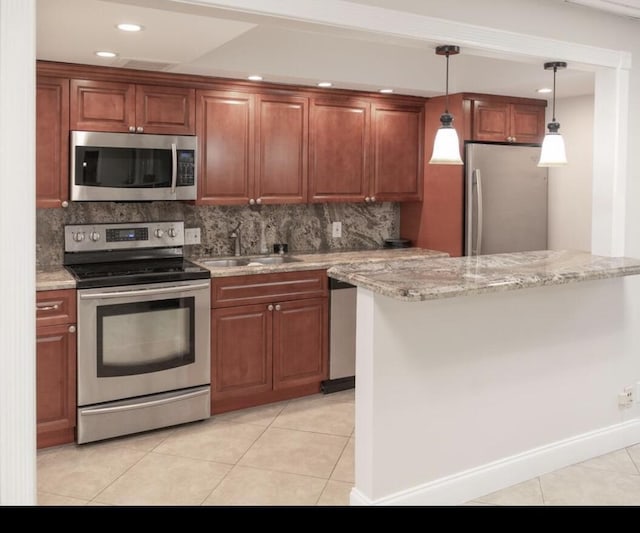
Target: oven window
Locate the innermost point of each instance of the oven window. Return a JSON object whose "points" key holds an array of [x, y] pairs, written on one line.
{"points": [[143, 337]]}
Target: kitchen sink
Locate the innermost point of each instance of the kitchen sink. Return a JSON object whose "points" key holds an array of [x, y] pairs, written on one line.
{"points": [[250, 261], [273, 260], [225, 262]]}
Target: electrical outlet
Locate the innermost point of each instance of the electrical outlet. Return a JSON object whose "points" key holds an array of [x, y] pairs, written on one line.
{"points": [[336, 230], [192, 236], [626, 397]]}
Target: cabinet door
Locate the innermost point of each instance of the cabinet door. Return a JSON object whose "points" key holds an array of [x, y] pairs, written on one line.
{"points": [[338, 149], [55, 385], [102, 106], [241, 351], [397, 152], [300, 332], [491, 121], [282, 126], [52, 142], [166, 110], [527, 123], [224, 126]]}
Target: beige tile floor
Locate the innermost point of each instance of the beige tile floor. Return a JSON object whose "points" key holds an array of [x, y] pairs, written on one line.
{"points": [[298, 452]]}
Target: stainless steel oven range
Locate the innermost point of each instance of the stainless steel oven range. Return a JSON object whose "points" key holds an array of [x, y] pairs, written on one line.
{"points": [[143, 328]]}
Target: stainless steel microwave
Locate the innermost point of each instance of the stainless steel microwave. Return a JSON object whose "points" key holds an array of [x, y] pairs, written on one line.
{"points": [[132, 167]]}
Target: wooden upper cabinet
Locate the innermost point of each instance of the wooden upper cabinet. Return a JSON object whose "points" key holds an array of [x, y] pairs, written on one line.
{"points": [[125, 107], [503, 121], [339, 136], [281, 158], [52, 142], [225, 129], [527, 123], [102, 106], [398, 134]]}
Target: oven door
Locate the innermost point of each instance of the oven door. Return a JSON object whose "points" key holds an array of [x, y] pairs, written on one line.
{"points": [[132, 167], [142, 339]]}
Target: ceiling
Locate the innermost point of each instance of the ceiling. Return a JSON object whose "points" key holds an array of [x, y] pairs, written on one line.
{"points": [[196, 39]]}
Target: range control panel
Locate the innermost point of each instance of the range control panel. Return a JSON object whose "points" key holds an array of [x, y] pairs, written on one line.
{"points": [[125, 236]]}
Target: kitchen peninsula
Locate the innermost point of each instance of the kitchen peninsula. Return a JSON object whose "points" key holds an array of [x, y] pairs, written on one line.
{"points": [[477, 373]]}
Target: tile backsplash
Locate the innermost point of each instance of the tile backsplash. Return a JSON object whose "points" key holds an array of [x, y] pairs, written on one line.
{"points": [[304, 227]]}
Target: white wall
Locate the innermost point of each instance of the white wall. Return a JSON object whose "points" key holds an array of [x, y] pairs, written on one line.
{"points": [[570, 187]]}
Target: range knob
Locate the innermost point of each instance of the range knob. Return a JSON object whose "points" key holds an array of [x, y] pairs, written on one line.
{"points": [[94, 236], [78, 237], [158, 233], [172, 232]]}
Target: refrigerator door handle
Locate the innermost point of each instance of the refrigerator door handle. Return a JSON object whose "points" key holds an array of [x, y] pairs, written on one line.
{"points": [[477, 178]]}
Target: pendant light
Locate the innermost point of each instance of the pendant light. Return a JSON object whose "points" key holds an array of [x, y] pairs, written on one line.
{"points": [[553, 153], [446, 147]]}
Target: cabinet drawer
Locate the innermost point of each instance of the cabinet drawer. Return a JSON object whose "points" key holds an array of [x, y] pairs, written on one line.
{"points": [[55, 307], [267, 288]]}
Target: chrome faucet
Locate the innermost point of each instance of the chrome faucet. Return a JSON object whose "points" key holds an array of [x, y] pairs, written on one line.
{"points": [[235, 235]]}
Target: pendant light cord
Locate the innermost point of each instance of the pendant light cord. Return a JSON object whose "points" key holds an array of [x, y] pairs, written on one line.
{"points": [[555, 69], [446, 98]]}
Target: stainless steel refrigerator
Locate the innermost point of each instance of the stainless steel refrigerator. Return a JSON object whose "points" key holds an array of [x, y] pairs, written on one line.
{"points": [[505, 198]]}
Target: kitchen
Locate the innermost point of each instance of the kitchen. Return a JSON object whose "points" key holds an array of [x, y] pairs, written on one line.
{"points": [[596, 240]]}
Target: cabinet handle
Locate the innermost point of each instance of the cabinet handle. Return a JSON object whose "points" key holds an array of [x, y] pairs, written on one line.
{"points": [[270, 307], [259, 201], [139, 129], [277, 307], [132, 129], [53, 307], [64, 203], [72, 329], [251, 201]]}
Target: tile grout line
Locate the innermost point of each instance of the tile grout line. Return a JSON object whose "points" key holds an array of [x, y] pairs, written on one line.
{"points": [[541, 491], [631, 457]]}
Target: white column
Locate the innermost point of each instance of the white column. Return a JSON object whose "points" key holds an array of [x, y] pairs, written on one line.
{"points": [[17, 253]]}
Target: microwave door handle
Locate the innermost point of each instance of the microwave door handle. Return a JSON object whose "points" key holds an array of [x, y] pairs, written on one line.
{"points": [[143, 292], [174, 167]]}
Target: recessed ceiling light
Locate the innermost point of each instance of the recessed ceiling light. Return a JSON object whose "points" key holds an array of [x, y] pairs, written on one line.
{"points": [[106, 54], [544, 90], [129, 27], [254, 77], [386, 91], [325, 84]]}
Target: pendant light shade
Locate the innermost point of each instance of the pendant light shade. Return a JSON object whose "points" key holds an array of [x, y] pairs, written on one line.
{"points": [[446, 146], [553, 153]]}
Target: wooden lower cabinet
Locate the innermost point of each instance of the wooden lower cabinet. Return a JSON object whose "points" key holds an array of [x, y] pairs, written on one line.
{"points": [[273, 344], [55, 368]]}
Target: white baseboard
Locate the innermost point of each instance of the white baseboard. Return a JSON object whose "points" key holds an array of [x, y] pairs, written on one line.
{"points": [[466, 486]]}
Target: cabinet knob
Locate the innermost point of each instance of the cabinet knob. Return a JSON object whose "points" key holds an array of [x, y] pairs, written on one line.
{"points": [[259, 201], [277, 307], [251, 201], [270, 307], [513, 139], [373, 198], [132, 129], [72, 329], [139, 129], [367, 199], [64, 203]]}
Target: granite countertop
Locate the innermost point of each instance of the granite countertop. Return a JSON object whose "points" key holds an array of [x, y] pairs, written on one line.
{"points": [[319, 260], [54, 279], [59, 278], [416, 279]]}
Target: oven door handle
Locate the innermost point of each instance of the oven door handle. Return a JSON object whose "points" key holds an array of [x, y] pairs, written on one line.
{"points": [[174, 167], [144, 405], [144, 292]]}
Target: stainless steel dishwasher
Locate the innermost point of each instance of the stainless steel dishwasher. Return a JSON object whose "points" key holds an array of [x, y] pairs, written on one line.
{"points": [[342, 337]]}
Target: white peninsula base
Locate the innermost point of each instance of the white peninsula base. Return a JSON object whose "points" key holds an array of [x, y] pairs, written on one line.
{"points": [[459, 397]]}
